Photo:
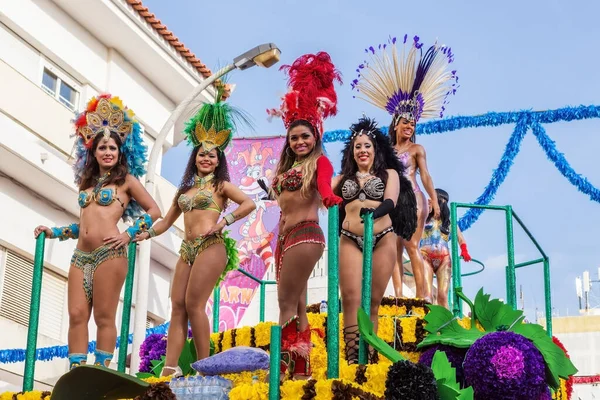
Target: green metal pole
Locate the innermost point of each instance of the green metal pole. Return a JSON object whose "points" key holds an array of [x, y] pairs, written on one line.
{"points": [[367, 279], [34, 312], [528, 263], [216, 304], [548, 296], [511, 276], [333, 305], [455, 302], [275, 360], [262, 302], [123, 342]]}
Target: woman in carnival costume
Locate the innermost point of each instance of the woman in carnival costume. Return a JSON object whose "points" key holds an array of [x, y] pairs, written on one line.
{"points": [[302, 184], [110, 157], [206, 254], [409, 87], [435, 250], [370, 182]]}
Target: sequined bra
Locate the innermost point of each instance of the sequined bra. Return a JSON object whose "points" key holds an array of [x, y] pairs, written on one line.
{"points": [[202, 200], [291, 181], [373, 189], [103, 197]]}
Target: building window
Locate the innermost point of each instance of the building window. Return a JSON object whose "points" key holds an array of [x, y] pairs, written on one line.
{"points": [[16, 296], [62, 91]]}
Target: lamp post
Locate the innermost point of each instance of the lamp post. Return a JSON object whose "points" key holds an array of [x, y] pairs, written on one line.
{"points": [[264, 55]]}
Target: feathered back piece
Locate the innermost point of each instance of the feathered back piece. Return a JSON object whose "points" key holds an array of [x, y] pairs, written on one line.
{"points": [[412, 85], [213, 125], [106, 114], [311, 95]]}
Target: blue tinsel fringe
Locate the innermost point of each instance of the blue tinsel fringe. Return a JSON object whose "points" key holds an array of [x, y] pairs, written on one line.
{"points": [[524, 121]]}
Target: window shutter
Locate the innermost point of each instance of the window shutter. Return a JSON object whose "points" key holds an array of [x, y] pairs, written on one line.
{"points": [[16, 296]]}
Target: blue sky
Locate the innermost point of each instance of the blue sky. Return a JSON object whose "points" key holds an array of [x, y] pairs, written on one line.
{"points": [[510, 55]]}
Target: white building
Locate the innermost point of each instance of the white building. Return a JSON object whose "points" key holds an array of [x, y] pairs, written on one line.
{"points": [[54, 56]]}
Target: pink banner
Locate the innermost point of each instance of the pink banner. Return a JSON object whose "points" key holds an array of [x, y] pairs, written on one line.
{"points": [[249, 160]]}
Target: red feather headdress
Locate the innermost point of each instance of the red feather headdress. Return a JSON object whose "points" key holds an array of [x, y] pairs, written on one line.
{"points": [[311, 95]]}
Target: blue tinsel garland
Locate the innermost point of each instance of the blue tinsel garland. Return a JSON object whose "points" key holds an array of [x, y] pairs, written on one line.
{"points": [[524, 121], [50, 353]]}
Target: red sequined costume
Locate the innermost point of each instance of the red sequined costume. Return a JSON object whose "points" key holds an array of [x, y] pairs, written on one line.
{"points": [[311, 97]]}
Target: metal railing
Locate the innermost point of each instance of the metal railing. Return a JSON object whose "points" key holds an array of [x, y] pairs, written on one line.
{"points": [[34, 311], [511, 268], [217, 296]]}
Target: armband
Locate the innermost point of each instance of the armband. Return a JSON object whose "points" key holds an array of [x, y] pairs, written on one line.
{"points": [[229, 218], [66, 232], [142, 224]]}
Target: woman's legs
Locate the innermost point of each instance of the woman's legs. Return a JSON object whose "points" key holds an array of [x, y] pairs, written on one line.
{"points": [[428, 275], [350, 287], [301, 312], [108, 281], [297, 265], [384, 259], [412, 246], [79, 316], [443, 274], [398, 271], [207, 268], [178, 327]]}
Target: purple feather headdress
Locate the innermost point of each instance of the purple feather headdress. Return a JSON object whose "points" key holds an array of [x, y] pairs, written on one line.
{"points": [[413, 85]]}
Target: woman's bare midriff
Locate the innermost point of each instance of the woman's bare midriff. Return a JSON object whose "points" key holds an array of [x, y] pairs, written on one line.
{"points": [[99, 222], [353, 221], [296, 209], [197, 222]]}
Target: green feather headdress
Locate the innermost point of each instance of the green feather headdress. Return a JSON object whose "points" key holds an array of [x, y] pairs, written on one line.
{"points": [[213, 125]]}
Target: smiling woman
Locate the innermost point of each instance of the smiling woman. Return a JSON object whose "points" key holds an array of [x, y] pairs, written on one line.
{"points": [[110, 157], [206, 253], [302, 184]]}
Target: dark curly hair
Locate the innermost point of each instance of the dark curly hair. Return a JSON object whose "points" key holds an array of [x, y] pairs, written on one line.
{"points": [[404, 216], [443, 199], [187, 181], [91, 173]]}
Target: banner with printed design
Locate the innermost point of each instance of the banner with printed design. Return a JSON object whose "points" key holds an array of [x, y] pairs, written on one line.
{"points": [[250, 160]]}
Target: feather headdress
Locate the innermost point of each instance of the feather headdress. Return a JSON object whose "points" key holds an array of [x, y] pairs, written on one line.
{"points": [[311, 95], [106, 114], [213, 125], [412, 85]]}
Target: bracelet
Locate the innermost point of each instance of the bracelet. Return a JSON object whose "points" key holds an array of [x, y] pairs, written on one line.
{"points": [[65, 232], [229, 218], [141, 225], [151, 232]]}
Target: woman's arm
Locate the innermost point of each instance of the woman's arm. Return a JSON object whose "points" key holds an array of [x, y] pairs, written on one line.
{"points": [[138, 192], [324, 174], [421, 158], [246, 206], [463, 245], [161, 226]]}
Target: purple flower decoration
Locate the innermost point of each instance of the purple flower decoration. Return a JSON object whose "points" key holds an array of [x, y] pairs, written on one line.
{"points": [[505, 366], [455, 355], [153, 348]]}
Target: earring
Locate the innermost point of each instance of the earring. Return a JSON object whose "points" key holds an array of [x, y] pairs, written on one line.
{"points": [[288, 154]]}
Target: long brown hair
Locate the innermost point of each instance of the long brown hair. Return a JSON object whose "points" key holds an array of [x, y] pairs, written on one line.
{"points": [[309, 167], [91, 173], [191, 170]]}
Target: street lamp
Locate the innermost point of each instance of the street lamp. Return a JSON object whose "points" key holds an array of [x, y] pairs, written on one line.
{"points": [[264, 55]]}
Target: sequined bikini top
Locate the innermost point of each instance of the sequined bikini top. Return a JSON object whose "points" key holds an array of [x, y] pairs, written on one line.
{"points": [[201, 200], [406, 159], [103, 196], [291, 180], [372, 190]]}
